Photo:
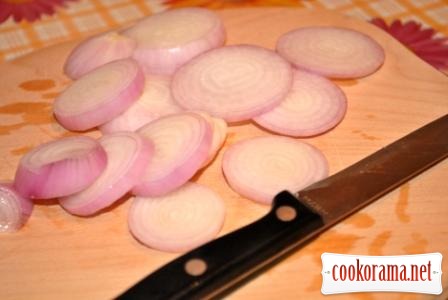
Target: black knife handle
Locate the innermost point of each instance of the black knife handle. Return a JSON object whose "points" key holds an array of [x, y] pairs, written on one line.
{"points": [[221, 264]]}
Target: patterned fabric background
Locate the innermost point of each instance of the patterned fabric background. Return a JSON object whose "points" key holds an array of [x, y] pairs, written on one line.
{"points": [[85, 17]]}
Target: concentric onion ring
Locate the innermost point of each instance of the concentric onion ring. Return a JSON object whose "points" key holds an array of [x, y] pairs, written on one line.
{"points": [[182, 144], [235, 83], [261, 167], [179, 221], [331, 51], [14, 209], [97, 51], [313, 106], [128, 155], [60, 168], [100, 95], [168, 40]]}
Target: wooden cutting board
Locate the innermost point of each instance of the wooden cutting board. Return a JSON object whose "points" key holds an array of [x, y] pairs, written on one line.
{"points": [[60, 256]]}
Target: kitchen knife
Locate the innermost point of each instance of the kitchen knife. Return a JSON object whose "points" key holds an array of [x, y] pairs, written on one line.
{"points": [[222, 264]]}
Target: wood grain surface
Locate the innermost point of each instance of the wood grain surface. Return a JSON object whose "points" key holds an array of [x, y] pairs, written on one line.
{"points": [[60, 256]]}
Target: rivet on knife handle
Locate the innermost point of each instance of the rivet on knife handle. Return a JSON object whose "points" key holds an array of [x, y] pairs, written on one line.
{"points": [[205, 270]]}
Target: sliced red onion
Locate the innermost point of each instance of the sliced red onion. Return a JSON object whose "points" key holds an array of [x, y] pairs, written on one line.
{"points": [[314, 105], [14, 209], [331, 51], [261, 167], [182, 144], [219, 134], [128, 156], [179, 221], [235, 83], [60, 168], [97, 51], [100, 95], [167, 40], [155, 102]]}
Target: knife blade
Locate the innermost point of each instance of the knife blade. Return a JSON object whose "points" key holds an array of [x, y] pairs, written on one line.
{"points": [[294, 219]]}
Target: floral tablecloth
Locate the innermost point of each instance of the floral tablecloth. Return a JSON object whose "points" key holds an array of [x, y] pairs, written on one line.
{"points": [[78, 18]]}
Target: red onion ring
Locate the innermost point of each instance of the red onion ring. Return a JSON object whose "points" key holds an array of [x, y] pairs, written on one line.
{"points": [[60, 168], [313, 106], [331, 51], [179, 221], [168, 40], [261, 167], [128, 155], [100, 95], [14, 209], [182, 144], [97, 51], [235, 83]]}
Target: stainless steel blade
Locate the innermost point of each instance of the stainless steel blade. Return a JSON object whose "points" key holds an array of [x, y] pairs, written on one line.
{"points": [[356, 186]]}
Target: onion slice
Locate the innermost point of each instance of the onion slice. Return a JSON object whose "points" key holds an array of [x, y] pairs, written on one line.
{"points": [[261, 167], [128, 156], [60, 168], [97, 51], [331, 51], [14, 209], [314, 105], [182, 144], [100, 95], [155, 102], [235, 83], [179, 221], [167, 40]]}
